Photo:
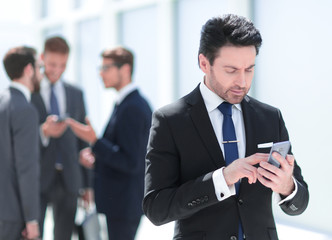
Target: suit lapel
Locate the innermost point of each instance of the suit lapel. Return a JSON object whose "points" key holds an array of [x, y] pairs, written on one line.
{"points": [[68, 99], [111, 122], [203, 126], [249, 118], [38, 101]]}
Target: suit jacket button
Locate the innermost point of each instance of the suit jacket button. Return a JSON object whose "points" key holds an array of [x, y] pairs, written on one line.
{"points": [[240, 201], [222, 195], [233, 238]]}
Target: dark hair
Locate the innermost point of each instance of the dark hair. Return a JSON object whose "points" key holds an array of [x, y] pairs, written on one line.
{"points": [[227, 30], [56, 45], [120, 56], [16, 59]]}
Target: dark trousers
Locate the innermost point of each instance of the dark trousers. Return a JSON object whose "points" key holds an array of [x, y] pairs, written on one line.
{"points": [[11, 230], [64, 209], [122, 229]]}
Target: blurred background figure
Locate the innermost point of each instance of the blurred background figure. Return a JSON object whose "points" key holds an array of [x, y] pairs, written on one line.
{"points": [[19, 147], [61, 174], [118, 157]]}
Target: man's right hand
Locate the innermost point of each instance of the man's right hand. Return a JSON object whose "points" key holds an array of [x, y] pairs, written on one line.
{"points": [[87, 159], [31, 231], [244, 168], [52, 128]]}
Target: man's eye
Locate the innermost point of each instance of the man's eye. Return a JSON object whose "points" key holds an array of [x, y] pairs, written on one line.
{"points": [[230, 70], [250, 69]]}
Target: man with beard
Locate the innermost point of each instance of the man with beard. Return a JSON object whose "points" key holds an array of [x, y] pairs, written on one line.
{"points": [[19, 148], [205, 168], [118, 156], [62, 177]]}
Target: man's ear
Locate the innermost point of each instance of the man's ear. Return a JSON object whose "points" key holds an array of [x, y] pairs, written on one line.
{"points": [[204, 63], [28, 70], [125, 68]]}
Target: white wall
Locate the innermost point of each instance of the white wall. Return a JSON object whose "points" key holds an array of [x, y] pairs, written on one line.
{"points": [[294, 73], [15, 30]]}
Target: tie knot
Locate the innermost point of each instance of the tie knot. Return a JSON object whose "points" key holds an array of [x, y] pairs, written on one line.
{"points": [[225, 108]]}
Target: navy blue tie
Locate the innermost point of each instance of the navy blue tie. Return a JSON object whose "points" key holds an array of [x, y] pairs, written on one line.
{"points": [[230, 143], [54, 110], [54, 106], [228, 131]]}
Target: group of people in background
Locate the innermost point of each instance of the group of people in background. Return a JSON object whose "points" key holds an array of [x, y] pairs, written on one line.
{"points": [[51, 154], [201, 157]]}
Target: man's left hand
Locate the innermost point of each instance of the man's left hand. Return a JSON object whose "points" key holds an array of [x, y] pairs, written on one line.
{"points": [[278, 179], [84, 132]]}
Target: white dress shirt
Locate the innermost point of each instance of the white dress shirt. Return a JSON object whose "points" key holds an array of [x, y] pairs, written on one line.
{"points": [[124, 92], [59, 90], [212, 101], [45, 92]]}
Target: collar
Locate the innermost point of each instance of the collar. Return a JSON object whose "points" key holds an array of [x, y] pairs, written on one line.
{"points": [[22, 88], [211, 99], [124, 92], [45, 84]]}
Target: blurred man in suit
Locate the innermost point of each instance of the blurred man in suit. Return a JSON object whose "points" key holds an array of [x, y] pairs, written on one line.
{"points": [[118, 156], [205, 168], [19, 148], [61, 174]]}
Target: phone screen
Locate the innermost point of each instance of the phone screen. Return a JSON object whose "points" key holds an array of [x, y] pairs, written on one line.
{"points": [[282, 148]]}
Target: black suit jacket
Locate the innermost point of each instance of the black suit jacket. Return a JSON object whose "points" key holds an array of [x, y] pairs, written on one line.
{"points": [[183, 152], [74, 175], [120, 159]]}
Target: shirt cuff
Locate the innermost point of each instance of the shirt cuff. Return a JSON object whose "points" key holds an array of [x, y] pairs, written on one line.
{"points": [[289, 197], [32, 222], [44, 140], [221, 188]]}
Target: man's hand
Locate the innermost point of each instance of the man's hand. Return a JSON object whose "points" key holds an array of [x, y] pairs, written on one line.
{"points": [[87, 159], [84, 132], [52, 128], [87, 197], [31, 231], [244, 168], [278, 179]]}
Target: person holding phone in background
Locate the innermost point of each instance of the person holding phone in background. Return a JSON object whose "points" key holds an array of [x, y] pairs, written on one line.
{"points": [[62, 177], [204, 168]]}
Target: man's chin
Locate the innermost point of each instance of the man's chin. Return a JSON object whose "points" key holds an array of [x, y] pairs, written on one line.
{"points": [[235, 99], [53, 79]]}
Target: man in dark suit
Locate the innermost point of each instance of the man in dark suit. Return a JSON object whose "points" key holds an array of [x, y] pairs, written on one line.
{"points": [[19, 171], [61, 174], [118, 157], [187, 178]]}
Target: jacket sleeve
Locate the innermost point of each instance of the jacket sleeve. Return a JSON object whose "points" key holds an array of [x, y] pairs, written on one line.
{"points": [[87, 174], [120, 148], [24, 126], [299, 202], [166, 198]]}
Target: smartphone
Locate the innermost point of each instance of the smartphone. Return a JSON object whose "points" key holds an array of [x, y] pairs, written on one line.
{"points": [[61, 118], [280, 147]]}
